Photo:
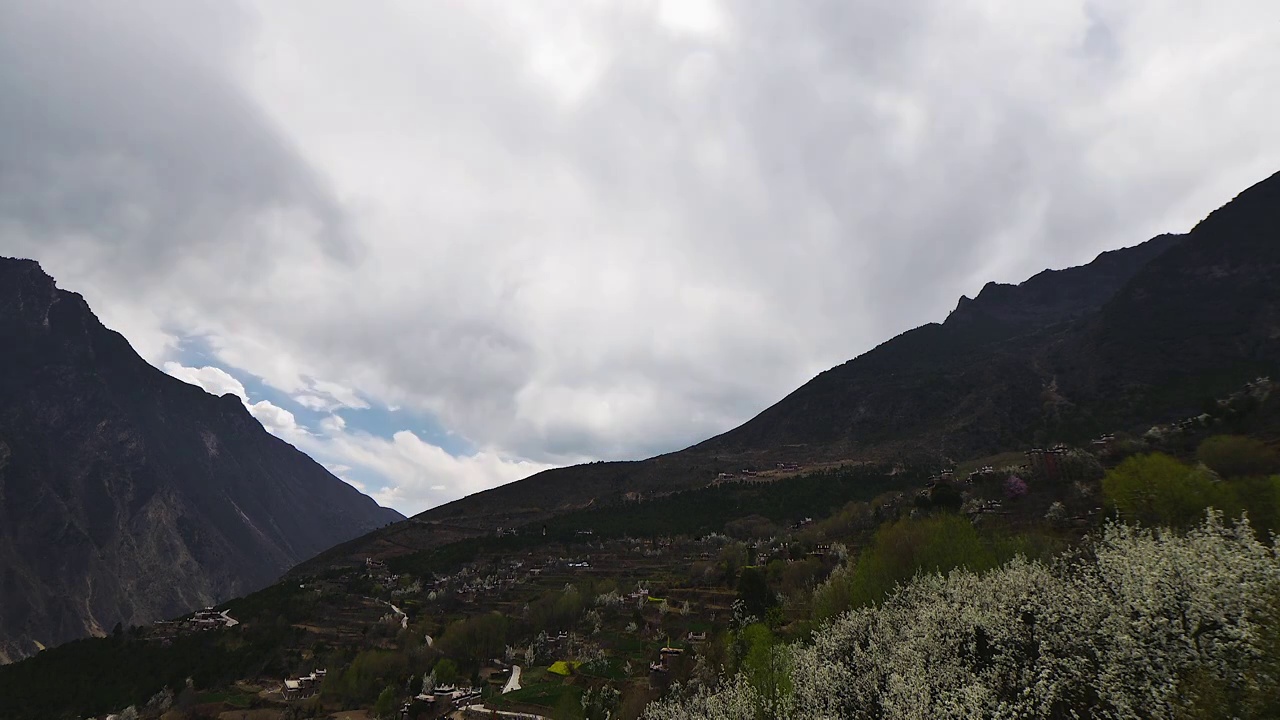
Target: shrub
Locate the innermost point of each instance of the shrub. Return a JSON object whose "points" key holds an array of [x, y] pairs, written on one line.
{"points": [[1233, 456]]}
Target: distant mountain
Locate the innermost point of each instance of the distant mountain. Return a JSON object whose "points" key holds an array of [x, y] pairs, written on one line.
{"points": [[1141, 335], [127, 495]]}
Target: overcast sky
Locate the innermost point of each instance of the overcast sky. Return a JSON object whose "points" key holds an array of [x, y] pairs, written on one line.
{"points": [[442, 245]]}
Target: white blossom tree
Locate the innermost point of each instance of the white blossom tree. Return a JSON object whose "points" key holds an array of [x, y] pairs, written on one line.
{"points": [[1147, 624]]}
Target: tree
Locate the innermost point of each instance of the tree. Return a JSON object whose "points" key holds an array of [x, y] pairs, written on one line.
{"points": [[764, 664], [1014, 487], [732, 557], [754, 592], [1156, 489], [1233, 456], [446, 672], [1155, 624], [385, 707], [899, 551]]}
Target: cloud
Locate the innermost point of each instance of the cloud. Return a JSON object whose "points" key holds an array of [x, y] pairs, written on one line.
{"points": [[213, 380], [413, 474], [419, 475], [598, 230], [333, 425], [275, 419], [312, 402]]}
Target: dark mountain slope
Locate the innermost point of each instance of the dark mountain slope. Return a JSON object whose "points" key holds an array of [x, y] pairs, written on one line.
{"points": [[127, 495], [968, 385], [1195, 323], [1141, 335]]}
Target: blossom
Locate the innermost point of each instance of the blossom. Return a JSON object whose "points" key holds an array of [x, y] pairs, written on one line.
{"points": [[1136, 628]]}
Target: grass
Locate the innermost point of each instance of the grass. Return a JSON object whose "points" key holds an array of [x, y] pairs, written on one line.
{"points": [[547, 695], [234, 699]]}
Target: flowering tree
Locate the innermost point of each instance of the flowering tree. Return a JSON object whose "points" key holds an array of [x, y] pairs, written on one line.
{"points": [[1015, 487], [1153, 624]]}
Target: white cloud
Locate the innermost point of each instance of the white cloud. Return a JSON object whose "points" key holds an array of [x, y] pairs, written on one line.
{"points": [[212, 379], [311, 402], [341, 395], [275, 419], [599, 229], [415, 474], [419, 475]]}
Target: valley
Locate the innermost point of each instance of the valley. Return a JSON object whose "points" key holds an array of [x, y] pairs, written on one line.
{"points": [[606, 609], [1082, 439]]}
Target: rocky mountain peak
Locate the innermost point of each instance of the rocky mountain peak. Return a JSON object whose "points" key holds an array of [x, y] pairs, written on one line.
{"points": [[127, 495]]}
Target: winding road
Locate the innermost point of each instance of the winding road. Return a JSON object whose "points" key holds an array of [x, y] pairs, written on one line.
{"points": [[513, 682]]}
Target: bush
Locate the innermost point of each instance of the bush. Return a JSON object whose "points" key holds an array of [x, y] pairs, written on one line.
{"points": [[1233, 456]]}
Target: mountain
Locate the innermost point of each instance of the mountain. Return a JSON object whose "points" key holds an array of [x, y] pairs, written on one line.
{"points": [[127, 495], [1141, 335]]}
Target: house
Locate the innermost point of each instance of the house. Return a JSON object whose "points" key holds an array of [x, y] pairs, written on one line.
{"points": [[696, 637], [1047, 463]]}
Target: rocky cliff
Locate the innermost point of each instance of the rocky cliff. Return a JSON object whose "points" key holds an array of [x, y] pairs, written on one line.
{"points": [[127, 495]]}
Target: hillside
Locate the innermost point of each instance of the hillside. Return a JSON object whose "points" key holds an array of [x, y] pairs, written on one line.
{"points": [[127, 495], [1140, 335], [611, 587]]}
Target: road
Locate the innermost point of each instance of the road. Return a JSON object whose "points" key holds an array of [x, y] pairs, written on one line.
{"points": [[404, 619], [513, 682]]}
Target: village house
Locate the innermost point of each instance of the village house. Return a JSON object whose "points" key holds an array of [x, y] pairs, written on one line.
{"points": [[303, 687]]}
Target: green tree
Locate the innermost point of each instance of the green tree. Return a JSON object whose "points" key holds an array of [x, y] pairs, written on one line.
{"points": [[1156, 489], [1258, 496], [938, 543], [385, 707], [753, 590], [762, 661], [1233, 456], [446, 672], [732, 557]]}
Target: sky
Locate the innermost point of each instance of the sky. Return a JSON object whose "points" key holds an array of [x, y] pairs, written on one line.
{"points": [[441, 246]]}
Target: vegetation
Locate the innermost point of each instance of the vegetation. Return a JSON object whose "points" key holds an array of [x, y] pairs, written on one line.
{"points": [[1157, 489], [899, 552], [1154, 624], [773, 597], [126, 669]]}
